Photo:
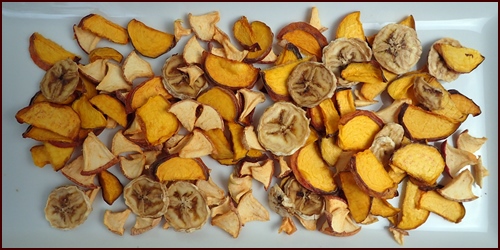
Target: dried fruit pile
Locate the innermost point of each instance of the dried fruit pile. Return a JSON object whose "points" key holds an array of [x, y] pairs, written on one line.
{"points": [[338, 163]]}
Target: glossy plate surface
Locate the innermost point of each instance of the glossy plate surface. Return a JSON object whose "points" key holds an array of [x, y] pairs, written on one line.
{"points": [[25, 187]]}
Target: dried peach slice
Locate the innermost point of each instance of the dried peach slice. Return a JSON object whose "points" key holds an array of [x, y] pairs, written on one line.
{"points": [[140, 94], [157, 123], [229, 73], [351, 26], [104, 28], [305, 36], [105, 53], [45, 52], [111, 186], [90, 117], [175, 168], [111, 107], [86, 39], [148, 41]]}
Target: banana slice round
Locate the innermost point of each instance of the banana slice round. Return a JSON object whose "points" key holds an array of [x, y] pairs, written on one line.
{"points": [[67, 207], [342, 51], [283, 128], [307, 205], [279, 201], [146, 197], [310, 83], [188, 210], [397, 48], [180, 80], [60, 81], [437, 66]]}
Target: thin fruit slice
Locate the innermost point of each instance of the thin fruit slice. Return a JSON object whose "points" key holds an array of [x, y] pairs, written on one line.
{"points": [[73, 170], [45, 52], [229, 73], [450, 210], [104, 28], [459, 59], [175, 168], [67, 207], [412, 216], [115, 221], [157, 123], [86, 39], [421, 161], [111, 186], [148, 41], [96, 156], [146, 197], [460, 188], [135, 67]]}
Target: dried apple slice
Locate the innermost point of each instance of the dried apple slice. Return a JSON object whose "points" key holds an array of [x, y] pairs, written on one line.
{"points": [[230, 51], [113, 80], [115, 221], [204, 25], [60, 119], [460, 188], [209, 119], [132, 165], [180, 31], [390, 113], [229, 73], [90, 117], [174, 168], [338, 221], [193, 52], [111, 107], [250, 209], [157, 123], [307, 165], [86, 39], [305, 36], [120, 144], [479, 172], [448, 209], [239, 186], [140, 94], [250, 100], [456, 159], [228, 221], [135, 67], [263, 173], [198, 145], [143, 224], [105, 53], [111, 186], [148, 41], [94, 71], [104, 28], [467, 142], [45, 52], [214, 194], [73, 170], [96, 156], [314, 20], [352, 123], [421, 161], [186, 112]]}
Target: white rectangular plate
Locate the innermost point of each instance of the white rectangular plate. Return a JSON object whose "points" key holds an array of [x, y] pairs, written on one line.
{"points": [[25, 187]]}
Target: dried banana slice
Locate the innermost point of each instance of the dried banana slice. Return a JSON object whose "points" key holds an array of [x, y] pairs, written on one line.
{"points": [[310, 83], [60, 81], [181, 80], [146, 197], [67, 207], [436, 64], [188, 210], [308, 205], [279, 201], [342, 51], [397, 48], [283, 128]]}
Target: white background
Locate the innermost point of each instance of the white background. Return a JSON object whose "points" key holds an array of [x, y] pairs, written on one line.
{"points": [[25, 187]]}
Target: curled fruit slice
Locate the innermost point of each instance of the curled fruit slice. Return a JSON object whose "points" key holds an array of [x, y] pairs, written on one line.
{"points": [[146, 197], [60, 81], [342, 51], [397, 48], [436, 64], [67, 207], [188, 210], [283, 128], [310, 83], [307, 205], [181, 80]]}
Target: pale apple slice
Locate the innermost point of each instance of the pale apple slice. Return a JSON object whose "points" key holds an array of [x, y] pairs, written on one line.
{"points": [[226, 217], [136, 67], [120, 144], [230, 50], [209, 119], [338, 221], [285, 169], [250, 139], [185, 111], [479, 172], [193, 52], [456, 159], [96, 156], [460, 188], [175, 143], [92, 193], [214, 194], [86, 39], [250, 99], [73, 170], [250, 209], [287, 225], [180, 31], [143, 224], [315, 21], [204, 25], [198, 145], [467, 142], [238, 186], [113, 80], [244, 168], [132, 165], [263, 173], [115, 221], [398, 234], [94, 71]]}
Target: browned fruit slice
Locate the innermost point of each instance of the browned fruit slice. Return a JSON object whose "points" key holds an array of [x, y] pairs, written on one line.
{"points": [[60, 119], [157, 123], [371, 176], [175, 168], [45, 52], [104, 28], [421, 161], [111, 186], [352, 124], [148, 41], [307, 165], [358, 200], [229, 73], [420, 124], [305, 36]]}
